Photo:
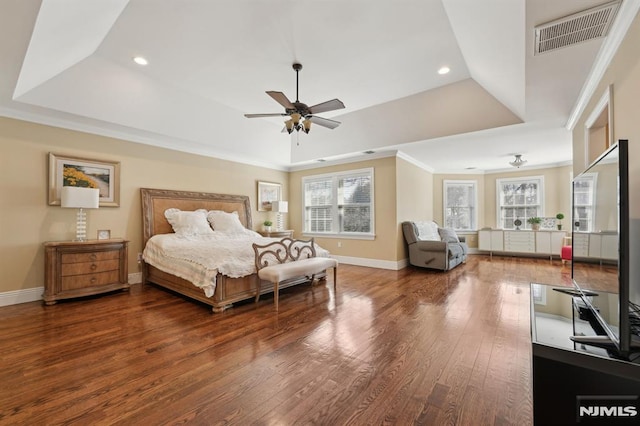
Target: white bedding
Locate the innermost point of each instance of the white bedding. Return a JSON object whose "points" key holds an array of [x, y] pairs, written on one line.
{"points": [[199, 259]]}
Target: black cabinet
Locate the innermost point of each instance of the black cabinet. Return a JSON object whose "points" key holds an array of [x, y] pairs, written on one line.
{"points": [[575, 383]]}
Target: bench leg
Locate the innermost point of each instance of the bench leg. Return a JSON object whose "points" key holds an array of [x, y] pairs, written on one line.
{"points": [[258, 290], [275, 294]]}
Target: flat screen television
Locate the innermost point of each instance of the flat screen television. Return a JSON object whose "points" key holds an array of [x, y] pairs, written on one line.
{"points": [[601, 252]]}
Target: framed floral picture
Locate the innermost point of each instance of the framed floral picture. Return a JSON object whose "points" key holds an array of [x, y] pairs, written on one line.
{"points": [[70, 171], [268, 192]]}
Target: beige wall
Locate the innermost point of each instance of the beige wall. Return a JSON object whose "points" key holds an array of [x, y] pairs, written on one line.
{"points": [[557, 192], [383, 247], [414, 198], [27, 220], [623, 74]]}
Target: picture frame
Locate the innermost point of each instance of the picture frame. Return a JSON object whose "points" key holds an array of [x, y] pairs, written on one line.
{"points": [[74, 171], [268, 192], [104, 234]]}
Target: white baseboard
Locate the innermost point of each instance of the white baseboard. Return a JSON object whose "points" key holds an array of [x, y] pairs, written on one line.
{"points": [[373, 263], [21, 296], [34, 294]]}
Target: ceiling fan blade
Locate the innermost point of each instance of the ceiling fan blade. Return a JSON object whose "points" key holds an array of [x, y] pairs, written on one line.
{"points": [[327, 106], [325, 122], [282, 99], [273, 114]]}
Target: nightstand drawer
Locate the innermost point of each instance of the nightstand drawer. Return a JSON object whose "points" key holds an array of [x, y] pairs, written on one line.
{"points": [[90, 257], [89, 280], [68, 269]]}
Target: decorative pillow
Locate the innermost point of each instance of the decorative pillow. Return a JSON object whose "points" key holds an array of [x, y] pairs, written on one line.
{"points": [[448, 235], [188, 223], [427, 231], [228, 223]]}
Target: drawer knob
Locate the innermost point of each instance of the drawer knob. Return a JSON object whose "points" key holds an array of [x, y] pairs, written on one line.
{"points": [[93, 280], [93, 266], [93, 256]]}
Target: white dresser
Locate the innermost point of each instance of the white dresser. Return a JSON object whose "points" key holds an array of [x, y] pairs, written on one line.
{"points": [[535, 242]]}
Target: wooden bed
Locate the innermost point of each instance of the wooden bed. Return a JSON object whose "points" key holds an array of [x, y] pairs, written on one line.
{"points": [[228, 290]]}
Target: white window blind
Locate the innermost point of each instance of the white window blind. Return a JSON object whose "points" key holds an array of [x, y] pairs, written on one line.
{"points": [[339, 203]]}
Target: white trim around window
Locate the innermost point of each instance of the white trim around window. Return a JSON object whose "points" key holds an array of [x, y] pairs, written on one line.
{"points": [[524, 206], [328, 198], [468, 207]]}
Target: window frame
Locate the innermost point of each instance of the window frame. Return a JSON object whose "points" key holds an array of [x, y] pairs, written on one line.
{"points": [[335, 213], [593, 177], [499, 182], [474, 215]]}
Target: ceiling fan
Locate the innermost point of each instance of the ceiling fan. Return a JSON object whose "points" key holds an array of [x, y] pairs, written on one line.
{"points": [[297, 110]]}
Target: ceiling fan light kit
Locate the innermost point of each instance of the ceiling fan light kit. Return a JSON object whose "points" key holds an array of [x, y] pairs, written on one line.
{"points": [[298, 110]]}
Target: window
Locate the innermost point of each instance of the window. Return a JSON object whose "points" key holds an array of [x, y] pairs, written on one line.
{"points": [[459, 203], [584, 194], [519, 198], [339, 203]]}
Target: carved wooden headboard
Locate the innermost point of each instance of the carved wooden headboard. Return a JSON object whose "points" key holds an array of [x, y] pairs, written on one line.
{"points": [[156, 201]]}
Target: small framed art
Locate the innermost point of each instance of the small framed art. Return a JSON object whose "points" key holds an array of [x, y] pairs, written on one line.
{"points": [[268, 192], [83, 172], [104, 234]]}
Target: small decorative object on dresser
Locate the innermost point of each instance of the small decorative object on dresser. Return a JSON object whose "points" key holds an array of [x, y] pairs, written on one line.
{"points": [[560, 216], [104, 234], [84, 268], [266, 226], [534, 222]]}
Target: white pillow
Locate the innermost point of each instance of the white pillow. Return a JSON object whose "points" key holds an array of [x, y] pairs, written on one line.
{"points": [[228, 223], [428, 231], [188, 223]]}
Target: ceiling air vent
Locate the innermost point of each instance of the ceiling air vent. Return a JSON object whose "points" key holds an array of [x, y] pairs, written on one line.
{"points": [[577, 28]]}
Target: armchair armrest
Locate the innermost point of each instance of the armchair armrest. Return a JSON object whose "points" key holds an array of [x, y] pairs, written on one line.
{"points": [[440, 246]]}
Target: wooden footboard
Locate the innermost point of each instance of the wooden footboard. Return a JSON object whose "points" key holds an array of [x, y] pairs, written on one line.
{"points": [[228, 290]]}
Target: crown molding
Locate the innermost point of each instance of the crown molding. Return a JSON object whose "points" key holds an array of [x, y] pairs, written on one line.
{"points": [[625, 17]]}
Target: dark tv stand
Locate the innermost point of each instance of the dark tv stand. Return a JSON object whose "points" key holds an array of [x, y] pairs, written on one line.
{"points": [[575, 370]]}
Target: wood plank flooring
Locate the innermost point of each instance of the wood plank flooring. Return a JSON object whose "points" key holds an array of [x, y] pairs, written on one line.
{"points": [[391, 347]]}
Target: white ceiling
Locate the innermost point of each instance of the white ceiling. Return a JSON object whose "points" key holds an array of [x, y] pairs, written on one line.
{"points": [[69, 63]]}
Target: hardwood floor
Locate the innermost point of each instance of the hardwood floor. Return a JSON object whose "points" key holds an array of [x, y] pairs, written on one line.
{"points": [[391, 347]]}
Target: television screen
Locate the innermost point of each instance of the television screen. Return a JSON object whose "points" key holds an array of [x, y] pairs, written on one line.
{"points": [[600, 243]]}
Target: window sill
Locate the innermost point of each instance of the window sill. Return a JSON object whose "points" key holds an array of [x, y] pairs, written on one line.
{"points": [[345, 236]]}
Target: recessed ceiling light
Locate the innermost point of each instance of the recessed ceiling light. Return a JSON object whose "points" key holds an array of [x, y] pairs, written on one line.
{"points": [[444, 70], [140, 60], [368, 152]]}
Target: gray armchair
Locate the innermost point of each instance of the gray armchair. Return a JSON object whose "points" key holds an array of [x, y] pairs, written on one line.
{"points": [[445, 254]]}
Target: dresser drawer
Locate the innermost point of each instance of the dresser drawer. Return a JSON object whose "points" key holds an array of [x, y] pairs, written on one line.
{"points": [[89, 280], [89, 256], [68, 269]]}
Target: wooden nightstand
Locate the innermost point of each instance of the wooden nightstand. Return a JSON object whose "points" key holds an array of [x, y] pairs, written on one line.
{"points": [[83, 268], [277, 234]]}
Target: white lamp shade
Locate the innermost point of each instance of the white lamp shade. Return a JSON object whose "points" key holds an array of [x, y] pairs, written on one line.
{"points": [[280, 206], [79, 198]]}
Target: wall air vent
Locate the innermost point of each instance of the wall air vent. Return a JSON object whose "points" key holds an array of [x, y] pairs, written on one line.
{"points": [[583, 26]]}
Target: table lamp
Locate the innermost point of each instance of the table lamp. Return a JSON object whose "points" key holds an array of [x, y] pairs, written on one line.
{"points": [[279, 207], [80, 198]]}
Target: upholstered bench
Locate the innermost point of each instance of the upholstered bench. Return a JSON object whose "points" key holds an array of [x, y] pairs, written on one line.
{"points": [[287, 259]]}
